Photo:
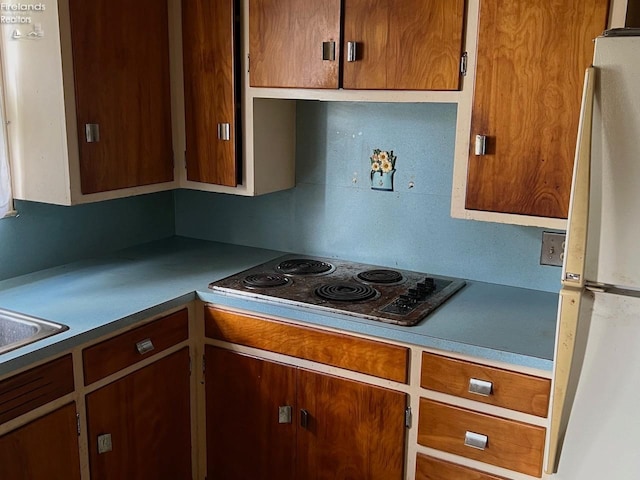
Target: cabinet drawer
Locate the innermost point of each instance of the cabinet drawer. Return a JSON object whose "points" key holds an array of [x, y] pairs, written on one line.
{"points": [[498, 441], [123, 350], [429, 468], [515, 391], [339, 350], [31, 389]]}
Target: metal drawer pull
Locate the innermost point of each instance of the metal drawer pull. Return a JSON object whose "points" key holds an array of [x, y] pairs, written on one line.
{"points": [[304, 418], [144, 346], [351, 51], [480, 387], [224, 131], [476, 440], [284, 414], [481, 145], [92, 132], [329, 51]]}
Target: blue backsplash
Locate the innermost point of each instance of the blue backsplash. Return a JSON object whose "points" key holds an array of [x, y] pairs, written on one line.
{"points": [[47, 235], [333, 212]]}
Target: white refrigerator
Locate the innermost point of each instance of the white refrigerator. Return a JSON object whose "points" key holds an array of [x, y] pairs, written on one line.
{"points": [[595, 419]]}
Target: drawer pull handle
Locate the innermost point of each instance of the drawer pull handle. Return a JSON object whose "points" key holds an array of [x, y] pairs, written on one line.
{"points": [[476, 440], [480, 387], [144, 346]]}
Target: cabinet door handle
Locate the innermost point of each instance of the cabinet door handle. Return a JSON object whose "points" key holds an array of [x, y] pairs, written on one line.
{"points": [[329, 51], [104, 443], [480, 387], [144, 346], [481, 145], [224, 131], [92, 132], [352, 51], [476, 440], [284, 414], [304, 418]]}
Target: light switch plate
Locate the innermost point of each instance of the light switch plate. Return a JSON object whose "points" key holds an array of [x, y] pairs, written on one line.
{"points": [[552, 252]]}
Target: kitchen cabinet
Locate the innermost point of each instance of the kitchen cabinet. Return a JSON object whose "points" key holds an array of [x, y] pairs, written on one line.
{"points": [[430, 468], [271, 420], [300, 423], [210, 50], [47, 446], [531, 58], [43, 449], [408, 45], [491, 438], [139, 426], [122, 94], [89, 103]]}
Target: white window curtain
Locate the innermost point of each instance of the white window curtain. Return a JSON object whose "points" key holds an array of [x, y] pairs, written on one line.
{"points": [[6, 200]]}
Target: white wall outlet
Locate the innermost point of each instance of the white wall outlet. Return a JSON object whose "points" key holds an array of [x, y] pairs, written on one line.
{"points": [[552, 252]]}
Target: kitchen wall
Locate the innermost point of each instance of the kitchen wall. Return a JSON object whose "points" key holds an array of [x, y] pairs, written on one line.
{"points": [[47, 235], [333, 211]]}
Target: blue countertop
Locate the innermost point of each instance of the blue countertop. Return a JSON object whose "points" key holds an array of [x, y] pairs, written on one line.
{"points": [[97, 296]]}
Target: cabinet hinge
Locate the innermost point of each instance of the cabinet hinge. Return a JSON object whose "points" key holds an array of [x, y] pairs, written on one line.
{"points": [[185, 159], [463, 64], [204, 366], [248, 63], [78, 423], [190, 362], [407, 417]]}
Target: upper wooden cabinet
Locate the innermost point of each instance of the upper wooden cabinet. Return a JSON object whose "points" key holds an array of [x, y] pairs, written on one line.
{"points": [[409, 45], [121, 75], [294, 43], [209, 30], [530, 69]]}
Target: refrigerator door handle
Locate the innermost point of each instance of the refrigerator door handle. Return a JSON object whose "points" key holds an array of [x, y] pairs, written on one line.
{"points": [[576, 242]]}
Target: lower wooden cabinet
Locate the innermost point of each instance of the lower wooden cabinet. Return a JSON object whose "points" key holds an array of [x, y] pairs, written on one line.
{"points": [[267, 420], [429, 468], [44, 449], [139, 426]]}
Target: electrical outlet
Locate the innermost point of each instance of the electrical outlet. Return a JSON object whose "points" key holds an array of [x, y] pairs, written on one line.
{"points": [[552, 252]]}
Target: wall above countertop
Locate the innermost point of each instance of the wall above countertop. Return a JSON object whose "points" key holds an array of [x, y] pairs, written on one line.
{"points": [[333, 212], [44, 235]]}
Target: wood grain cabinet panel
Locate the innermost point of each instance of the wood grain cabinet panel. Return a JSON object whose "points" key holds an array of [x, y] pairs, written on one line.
{"points": [[286, 43], [44, 449], [430, 468], [530, 69], [147, 415], [121, 351], [510, 444], [33, 388], [331, 428], [512, 390], [339, 350], [209, 33], [121, 74], [407, 45]]}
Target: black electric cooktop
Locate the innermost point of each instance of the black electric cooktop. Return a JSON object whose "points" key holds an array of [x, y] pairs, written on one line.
{"points": [[365, 291]]}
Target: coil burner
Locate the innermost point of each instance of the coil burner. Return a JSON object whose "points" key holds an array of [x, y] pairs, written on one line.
{"points": [[346, 292]]}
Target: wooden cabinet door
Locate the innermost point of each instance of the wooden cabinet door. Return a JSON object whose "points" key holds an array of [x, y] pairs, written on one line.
{"points": [[286, 40], [353, 430], [244, 437], [121, 72], [147, 415], [44, 449], [407, 45], [530, 70], [209, 34]]}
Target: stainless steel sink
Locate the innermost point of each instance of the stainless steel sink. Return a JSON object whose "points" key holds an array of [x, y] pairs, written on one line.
{"points": [[17, 330]]}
